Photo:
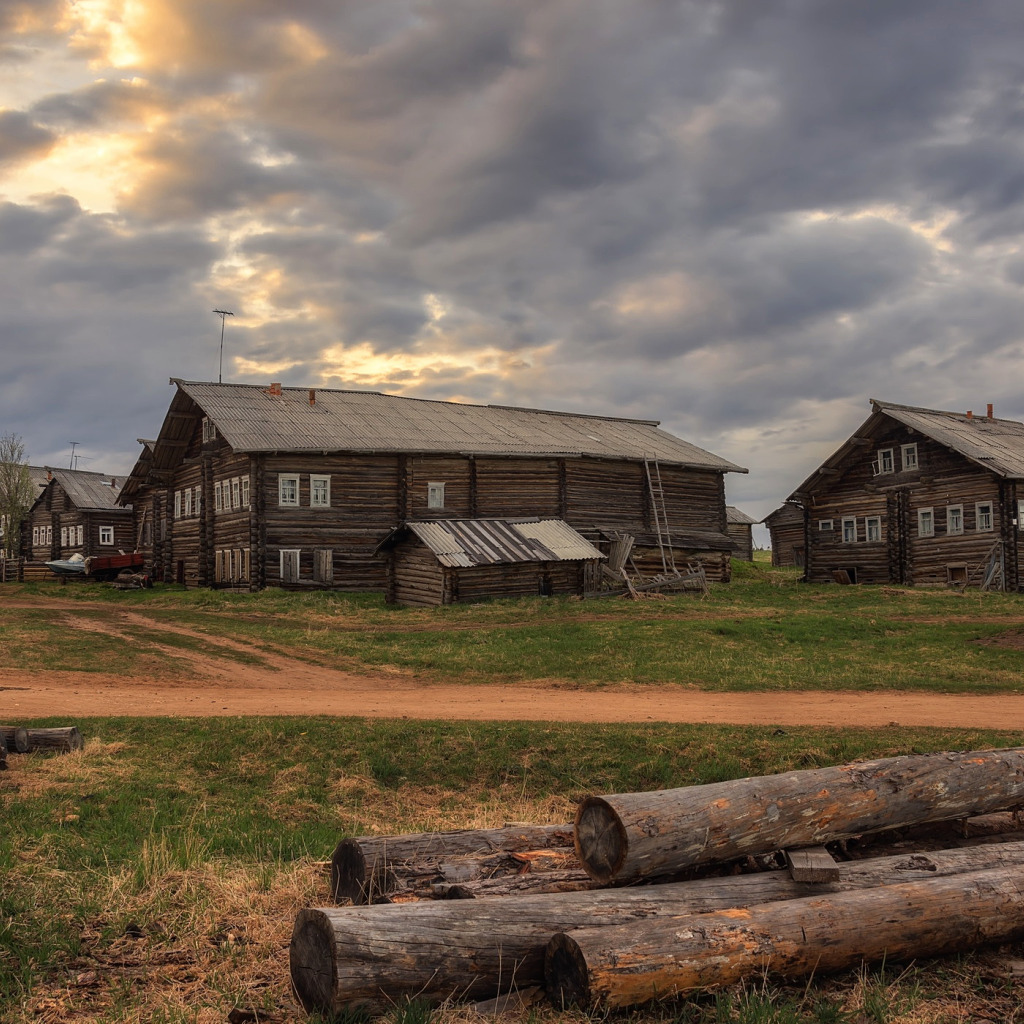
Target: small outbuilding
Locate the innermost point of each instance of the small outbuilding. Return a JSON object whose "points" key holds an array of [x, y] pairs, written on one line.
{"points": [[740, 529], [786, 528], [464, 560]]}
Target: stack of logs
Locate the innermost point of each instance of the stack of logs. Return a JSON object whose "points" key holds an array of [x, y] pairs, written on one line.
{"points": [[656, 895], [16, 740]]}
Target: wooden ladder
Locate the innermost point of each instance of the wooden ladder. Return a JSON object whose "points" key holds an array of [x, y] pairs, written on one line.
{"points": [[657, 493], [994, 568]]}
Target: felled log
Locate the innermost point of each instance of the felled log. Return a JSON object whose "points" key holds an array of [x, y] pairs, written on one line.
{"points": [[63, 739], [374, 869], [634, 963], [628, 836], [518, 884], [342, 958], [16, 738]]}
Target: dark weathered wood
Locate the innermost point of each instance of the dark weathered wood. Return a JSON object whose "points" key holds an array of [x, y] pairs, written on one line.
{"points": [[16, 738], [346, 957], [517, 884], [63, 739], [812, 864], [3, 752], [370, 869], [628, 836], [634, 963]]}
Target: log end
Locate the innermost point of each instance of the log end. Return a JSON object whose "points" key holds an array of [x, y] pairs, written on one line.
{"points": [[565, 973], [600, 839], [348, 873], [75, 739], [312, 965]]}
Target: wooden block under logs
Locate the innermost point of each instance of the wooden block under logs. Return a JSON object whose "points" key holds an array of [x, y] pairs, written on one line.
{"points": [[812, 864], [629, 836]]}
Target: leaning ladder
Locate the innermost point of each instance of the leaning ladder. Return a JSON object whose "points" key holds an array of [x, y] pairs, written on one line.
{"points": [[657, 492], [994, 569]]}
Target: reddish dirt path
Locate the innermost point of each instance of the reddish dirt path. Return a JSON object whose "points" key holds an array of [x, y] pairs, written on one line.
{"points": [[336, 693]]}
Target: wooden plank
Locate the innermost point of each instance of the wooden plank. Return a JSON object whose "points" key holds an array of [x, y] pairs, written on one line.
{"points": [[812, 864]]}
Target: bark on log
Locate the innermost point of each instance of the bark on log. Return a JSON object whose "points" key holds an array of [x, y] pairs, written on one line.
{"points": [[530, 883], [634, 963], [63, 739], [628, 836], [348, 957], [372, 869], [16, 738]]}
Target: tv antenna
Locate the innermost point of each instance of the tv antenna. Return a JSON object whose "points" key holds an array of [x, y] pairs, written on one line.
{"points": [[74, 445], [223, 314]]}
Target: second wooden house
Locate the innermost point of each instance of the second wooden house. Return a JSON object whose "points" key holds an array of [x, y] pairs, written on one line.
{"points": [[918, 496], [250, 486]]}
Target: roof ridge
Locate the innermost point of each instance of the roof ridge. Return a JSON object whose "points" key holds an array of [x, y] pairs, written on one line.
{"points": [[882, 406]]}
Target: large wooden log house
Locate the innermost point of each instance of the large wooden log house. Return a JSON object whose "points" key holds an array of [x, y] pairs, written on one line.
{"points": [[918, 496], [249, 486]]}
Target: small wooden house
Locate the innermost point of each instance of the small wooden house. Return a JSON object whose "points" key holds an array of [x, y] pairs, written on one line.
{"points": [[430, 563], [77, 512], [919, 496], [786, 529], [740, 529], [248, 486]]}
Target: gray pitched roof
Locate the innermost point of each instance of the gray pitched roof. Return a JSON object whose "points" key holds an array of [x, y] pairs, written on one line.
{"points": [[87, 490], [469, 542], [734, 517], [251, 419], [995, 444]]}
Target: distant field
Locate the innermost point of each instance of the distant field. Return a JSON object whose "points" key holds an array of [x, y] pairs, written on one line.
{"points": [[155, 876], [765, 631]]}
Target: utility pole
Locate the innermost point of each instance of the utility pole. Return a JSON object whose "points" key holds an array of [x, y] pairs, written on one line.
{"points": [[223, 314]]}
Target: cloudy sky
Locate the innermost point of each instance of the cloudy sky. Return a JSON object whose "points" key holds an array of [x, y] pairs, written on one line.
{"points": [[743, 218]]}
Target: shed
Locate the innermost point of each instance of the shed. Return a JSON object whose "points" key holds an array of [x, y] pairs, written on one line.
{"points": [[740, 528], [786, 528], [456, 560]]}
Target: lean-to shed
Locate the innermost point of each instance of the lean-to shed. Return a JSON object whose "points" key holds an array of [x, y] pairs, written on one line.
{"points": [[443, 562]]}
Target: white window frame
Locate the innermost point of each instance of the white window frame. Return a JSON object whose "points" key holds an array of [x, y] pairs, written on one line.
{"points": [[297, 552], [984, 522], [186, 510], [290, 501], [177, 504], [81, 536], [108, 532], [35, 536], [314, 482], [958, 511], [850, 522], [926, 522], [218, 496], [826, 526], [236, 491], [245, 492], [49, 534], [908, 455], [209, 430], [873, 525], [883, 453], [435, 495], [197, 504], [63, 536]]}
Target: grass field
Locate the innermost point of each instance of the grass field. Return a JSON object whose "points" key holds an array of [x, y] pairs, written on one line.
{"points": [[766, 631], [155, 875]]}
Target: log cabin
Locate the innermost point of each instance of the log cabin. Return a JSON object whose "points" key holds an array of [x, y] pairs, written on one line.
{"points": [[786, 529], [77, 512], [248, 486], [740, 529], [464, 560], [918, 496]]}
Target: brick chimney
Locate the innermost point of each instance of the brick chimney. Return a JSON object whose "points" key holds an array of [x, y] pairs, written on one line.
{"points": [[989, 413], [312, 399], [970, 415], [275, 389]]}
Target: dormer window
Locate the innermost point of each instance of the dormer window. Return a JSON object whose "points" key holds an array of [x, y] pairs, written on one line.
{"points": [[209, 430], [435, 495], [885, 462], [909, 453]]}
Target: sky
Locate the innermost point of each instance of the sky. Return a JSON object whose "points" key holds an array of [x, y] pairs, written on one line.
{"points": [[743, 218]]}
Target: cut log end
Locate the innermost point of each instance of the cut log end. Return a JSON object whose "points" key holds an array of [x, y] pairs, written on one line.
{"points": [[600, 838], [348, 873], [312, 962], [565, 973]]}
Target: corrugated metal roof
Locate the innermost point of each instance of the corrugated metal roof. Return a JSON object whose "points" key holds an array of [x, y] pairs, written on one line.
{"points": [[735, 517], [469, 542], [87, 490], [251, 419]]}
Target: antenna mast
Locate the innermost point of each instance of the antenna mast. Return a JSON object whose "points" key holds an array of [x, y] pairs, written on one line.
{"points": [[74, 445], [223, 314]]}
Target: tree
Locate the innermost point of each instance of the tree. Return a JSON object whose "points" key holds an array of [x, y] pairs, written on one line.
{"points": [[15, 491]]}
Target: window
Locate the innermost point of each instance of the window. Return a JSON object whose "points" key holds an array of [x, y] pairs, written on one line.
{"points": [[236, 489], [106, 535], [435, 495], [187, 510], [218, 566], [218, 497], [954, 519], [320, 491], [81, 536], [63, 536], [925, 522], [323, 565], [209, 430], [873, 528], [245, 492], [825, 525], [287, 490], [290, 565], [177, 504], [229, 565], [885, 462], [35, 535], [909, 453], [849, 531], [197, 505], [49, 535], [983, 515]]}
